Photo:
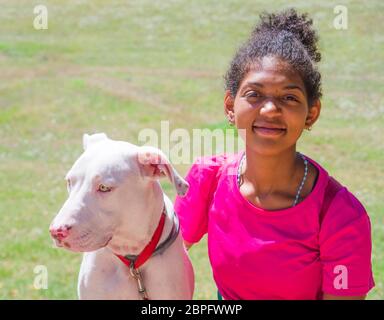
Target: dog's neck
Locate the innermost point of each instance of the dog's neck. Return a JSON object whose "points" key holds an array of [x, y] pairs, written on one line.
{"points": [[137, 227]]}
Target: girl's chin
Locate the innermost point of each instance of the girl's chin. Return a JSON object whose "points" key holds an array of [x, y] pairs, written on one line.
{"points": [[269, 147]]}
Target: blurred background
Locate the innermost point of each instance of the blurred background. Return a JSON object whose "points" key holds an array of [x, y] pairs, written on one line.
{"points": [[122, 66]]}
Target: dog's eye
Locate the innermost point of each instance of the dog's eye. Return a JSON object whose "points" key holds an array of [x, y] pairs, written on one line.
{"points": [[104, 188], [68, 185]]}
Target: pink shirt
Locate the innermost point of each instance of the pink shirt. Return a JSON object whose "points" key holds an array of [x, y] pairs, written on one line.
{"points": [[282, 254]]}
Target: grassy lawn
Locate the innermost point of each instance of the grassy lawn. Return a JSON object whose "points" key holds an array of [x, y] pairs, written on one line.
{"points": [[122, 66]]}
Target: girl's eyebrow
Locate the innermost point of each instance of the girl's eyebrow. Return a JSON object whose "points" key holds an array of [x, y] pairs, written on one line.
{"points": [[258, 84], [293, 86], [290, 86]]}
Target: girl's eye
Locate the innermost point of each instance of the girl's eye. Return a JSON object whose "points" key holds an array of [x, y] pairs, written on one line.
{"points": [[104, 188], [252, 94], [290, 98]]}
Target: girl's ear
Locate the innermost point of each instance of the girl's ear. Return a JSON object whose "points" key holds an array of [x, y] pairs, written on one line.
{"points": [[229, 103], [313, 114]]}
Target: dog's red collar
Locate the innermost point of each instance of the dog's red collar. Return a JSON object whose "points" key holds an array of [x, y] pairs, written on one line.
{"points": [[148, 250]]}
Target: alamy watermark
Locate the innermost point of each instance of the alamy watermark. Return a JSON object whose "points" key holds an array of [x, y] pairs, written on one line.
{"points": [[40, 21], [340, 22], [41, 278], [183, 147], [341, 280]]}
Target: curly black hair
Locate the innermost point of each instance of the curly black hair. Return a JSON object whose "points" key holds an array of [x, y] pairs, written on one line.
{"points": [[287, 35]]}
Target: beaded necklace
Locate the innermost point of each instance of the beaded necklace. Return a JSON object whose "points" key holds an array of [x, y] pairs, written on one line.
{"points": [[301, 184]]}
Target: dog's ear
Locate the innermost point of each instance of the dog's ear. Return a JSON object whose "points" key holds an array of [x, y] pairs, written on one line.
{"points": [[91, 139], [154, 164]]}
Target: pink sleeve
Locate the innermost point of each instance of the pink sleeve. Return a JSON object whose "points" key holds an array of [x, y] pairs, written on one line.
{"points": [[345, 247], [192, 209]]}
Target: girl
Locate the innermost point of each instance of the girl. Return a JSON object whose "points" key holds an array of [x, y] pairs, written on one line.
{"points": [[279, 227]]}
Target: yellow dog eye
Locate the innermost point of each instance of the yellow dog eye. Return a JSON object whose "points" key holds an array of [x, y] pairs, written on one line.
{"points": [[104, 188]]}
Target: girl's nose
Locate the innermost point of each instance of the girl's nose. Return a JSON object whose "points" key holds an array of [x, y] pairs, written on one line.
{"points": [[268, 107]]}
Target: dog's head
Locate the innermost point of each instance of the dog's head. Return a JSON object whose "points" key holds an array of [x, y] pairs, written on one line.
{"points": [[105, 184]]}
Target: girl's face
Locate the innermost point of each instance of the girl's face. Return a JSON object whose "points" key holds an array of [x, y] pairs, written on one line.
{"points": [[271, 107]]}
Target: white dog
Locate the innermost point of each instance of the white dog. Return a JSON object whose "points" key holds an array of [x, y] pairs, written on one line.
{"points": [[117, 214]]}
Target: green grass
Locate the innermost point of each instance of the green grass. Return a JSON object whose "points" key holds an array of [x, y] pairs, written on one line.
{"points": [[121, 66]]}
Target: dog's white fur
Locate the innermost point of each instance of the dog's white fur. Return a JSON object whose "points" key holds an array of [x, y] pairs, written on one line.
{"points": [[122, 221]]}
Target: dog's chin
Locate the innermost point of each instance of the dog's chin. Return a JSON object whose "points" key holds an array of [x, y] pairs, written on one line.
{"points": [[77, 247], [57, 243]]}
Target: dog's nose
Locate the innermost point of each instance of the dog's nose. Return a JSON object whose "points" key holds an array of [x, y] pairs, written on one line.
{"points": [[60, 233]]}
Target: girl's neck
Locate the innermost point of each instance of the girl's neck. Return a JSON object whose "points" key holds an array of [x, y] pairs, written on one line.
{"points": [[271, 173]]}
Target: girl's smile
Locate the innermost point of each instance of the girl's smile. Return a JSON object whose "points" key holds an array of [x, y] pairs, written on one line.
{"points": [[268, 129]]}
